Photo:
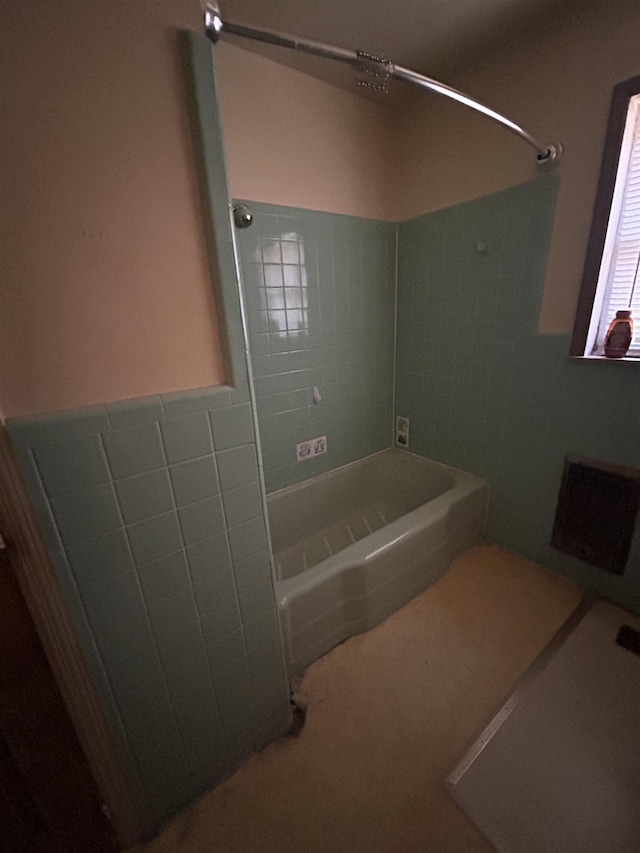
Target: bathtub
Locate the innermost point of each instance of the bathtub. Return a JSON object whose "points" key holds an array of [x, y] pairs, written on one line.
{"points": [[353, 545]]}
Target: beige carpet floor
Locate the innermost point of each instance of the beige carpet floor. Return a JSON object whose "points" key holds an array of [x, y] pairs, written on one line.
{"points": [[389, 714]]}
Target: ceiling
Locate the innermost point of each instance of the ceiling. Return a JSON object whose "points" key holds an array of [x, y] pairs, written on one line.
{"points": [[434, 37]]}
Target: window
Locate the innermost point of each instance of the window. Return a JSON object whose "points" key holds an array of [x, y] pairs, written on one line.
{"points": [[611, 280]]}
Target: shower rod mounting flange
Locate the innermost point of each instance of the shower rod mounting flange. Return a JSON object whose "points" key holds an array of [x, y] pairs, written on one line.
{"points": [[212, 21], [242, 215], [215, 27], [553, 153]]}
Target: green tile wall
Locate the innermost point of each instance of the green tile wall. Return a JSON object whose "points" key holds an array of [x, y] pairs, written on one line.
{"points": [[153, 516], [485, 392], [320, 298]]}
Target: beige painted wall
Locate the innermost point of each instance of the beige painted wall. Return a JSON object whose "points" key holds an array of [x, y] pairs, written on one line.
{"points": [[557, 82], [105, 287], [294, 140]]}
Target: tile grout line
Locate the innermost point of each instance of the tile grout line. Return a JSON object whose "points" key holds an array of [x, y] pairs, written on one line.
{"points": [[152, 630], [192, 590]]}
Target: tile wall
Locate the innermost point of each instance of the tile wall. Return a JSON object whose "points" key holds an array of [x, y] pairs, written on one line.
{"points": [[485, 392], [320, 297], [152, 513]]}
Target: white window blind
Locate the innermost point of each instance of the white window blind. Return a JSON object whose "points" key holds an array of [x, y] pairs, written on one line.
{"points": [[620, 268]]}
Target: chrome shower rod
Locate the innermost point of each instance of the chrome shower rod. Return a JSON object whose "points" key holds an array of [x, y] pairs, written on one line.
{"points": [[215, 26]]}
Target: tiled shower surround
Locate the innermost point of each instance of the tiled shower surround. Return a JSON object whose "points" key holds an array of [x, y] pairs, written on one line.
{"points": [[486, 393], [152, 513], [320, 297], [482, 389]]}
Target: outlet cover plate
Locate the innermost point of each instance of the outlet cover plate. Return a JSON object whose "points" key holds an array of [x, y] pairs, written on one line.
{"points": [[308, 449], [402, 431]]}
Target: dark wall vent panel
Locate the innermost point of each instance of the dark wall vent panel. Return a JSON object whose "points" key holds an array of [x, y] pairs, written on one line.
{"points": [[596, 512]]}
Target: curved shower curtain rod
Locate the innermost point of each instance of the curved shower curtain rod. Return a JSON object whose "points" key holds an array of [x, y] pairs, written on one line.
{"points": [[379, 68]]}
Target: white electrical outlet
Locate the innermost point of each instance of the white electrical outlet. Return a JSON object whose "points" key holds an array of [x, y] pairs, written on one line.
{"points": [[402, 431], [309, 449]]}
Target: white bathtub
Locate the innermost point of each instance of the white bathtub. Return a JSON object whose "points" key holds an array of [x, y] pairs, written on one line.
{"points": [[355, 544]]}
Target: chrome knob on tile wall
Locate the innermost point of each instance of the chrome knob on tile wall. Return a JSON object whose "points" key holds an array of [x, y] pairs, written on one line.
{"points": [[242, 216]]}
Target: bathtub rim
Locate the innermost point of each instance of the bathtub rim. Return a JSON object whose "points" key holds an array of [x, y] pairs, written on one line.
{"points": [[293, 487]]}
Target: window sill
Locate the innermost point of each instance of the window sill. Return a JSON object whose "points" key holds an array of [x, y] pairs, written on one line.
{"points": [[629, 359]]}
